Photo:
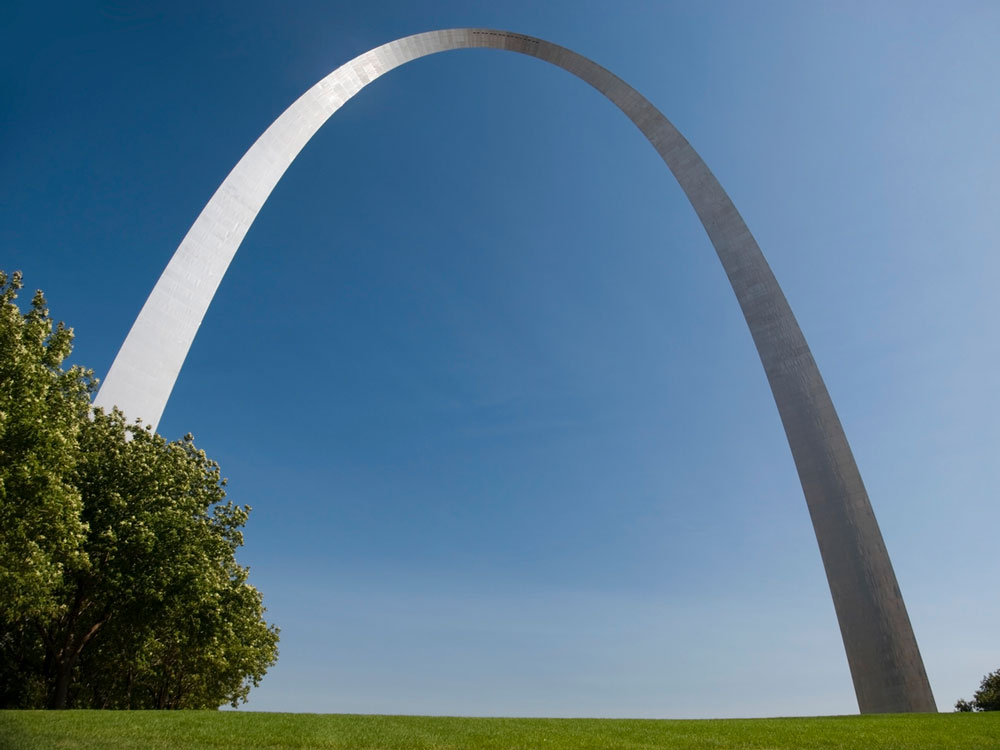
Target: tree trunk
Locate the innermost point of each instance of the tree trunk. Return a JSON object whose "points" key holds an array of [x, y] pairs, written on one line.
{"points": [[66, 659], [60, 696]]}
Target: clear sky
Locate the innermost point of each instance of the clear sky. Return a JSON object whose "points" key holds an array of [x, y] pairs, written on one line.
{"points": [[476, 368]]}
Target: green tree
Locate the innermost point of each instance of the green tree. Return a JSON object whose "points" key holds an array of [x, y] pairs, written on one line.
{"points": [[42, 409], [120, 587], [987, 698]]}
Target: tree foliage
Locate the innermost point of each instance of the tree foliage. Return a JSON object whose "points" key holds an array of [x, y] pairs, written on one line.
{"points": [[119, 586], [987, 698], [42, 409]]}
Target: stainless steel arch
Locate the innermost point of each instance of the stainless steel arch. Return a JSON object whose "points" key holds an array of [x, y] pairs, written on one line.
{"points": [[882, 652]]}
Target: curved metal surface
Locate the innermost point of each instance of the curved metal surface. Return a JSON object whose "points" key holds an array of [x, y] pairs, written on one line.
{"points": [[882, 652]]}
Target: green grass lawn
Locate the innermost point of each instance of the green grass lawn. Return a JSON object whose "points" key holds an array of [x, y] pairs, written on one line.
{"points": [[117, 730]]}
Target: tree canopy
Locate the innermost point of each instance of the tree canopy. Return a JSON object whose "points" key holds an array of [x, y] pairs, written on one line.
{"points": [[987, 698], [119, 586]]}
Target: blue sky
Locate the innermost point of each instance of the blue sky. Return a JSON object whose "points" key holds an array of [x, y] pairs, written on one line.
{"points": [[476, 367]]}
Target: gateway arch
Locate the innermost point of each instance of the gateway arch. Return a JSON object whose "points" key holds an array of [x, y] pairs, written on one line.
{"points": [[882, 651]]}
